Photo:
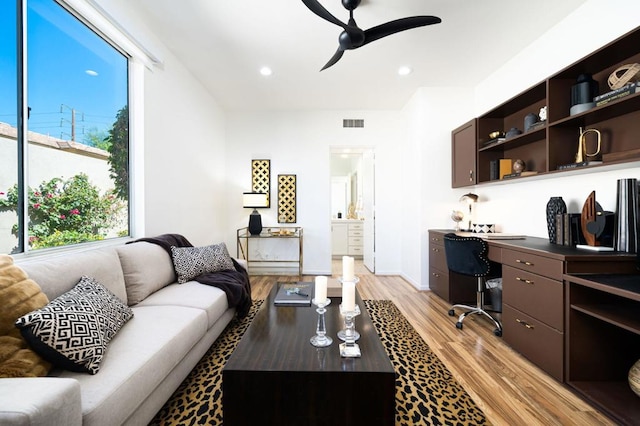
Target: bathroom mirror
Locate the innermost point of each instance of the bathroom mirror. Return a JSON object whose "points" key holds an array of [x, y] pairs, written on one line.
{"points": [[346, 184]]}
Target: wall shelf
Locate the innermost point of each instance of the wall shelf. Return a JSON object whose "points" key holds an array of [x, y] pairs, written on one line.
{"points": [[556, 142]]}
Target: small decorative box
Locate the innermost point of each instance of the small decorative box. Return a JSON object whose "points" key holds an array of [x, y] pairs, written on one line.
{"points": [[479, 228]]}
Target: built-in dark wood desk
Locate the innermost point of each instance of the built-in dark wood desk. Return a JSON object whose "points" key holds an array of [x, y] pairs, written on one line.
{"points": [[276, 377], [533, 290], [603, 341]]}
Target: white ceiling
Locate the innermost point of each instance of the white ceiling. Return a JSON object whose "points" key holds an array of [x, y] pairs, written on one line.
{"points": [[225, 43]]}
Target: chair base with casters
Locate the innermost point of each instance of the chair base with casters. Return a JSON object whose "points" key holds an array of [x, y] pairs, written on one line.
{"points": [[476, 310], [468, 256]]}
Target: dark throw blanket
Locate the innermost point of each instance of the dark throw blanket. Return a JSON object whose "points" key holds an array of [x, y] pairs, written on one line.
{"points": [[235, 283]]}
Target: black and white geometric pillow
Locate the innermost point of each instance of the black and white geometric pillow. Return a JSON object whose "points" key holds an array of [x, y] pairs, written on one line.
{"points": [[189, 262], [74, 329]]}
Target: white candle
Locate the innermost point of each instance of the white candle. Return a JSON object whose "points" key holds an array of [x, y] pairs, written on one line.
{"points": [[349, 296], [321, 289], [347, 268]]}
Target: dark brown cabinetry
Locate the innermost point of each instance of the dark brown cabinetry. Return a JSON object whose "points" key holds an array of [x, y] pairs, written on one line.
{"points": [[463, 155], [532, 313], [603, 341], [452, 287], [553, 144]]}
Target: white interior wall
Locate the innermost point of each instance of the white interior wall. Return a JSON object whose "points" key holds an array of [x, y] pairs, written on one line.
{"points": [[431, 115], [299, 143], [184, 157], [184, 172]]}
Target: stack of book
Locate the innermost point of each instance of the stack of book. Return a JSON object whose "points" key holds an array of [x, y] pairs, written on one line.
{"points": [[294, 294], [569, 230], [499, 168], [614, 95], [491, 142]]}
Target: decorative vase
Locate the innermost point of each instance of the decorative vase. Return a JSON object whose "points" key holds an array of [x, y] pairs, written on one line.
{"points": [[634, 378], [627, 220], [555, 206]]}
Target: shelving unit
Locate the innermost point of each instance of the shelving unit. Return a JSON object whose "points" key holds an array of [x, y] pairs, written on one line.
{"points": [[555, 143], [603, 341]]}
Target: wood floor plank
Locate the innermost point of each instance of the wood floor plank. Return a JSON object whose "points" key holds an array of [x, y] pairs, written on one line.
{"points": [[505, 385]]}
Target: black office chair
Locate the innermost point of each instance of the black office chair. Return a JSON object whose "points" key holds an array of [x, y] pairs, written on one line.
{"points": [[468, 256]]}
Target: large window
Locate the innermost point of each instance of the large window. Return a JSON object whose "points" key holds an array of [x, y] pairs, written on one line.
{"points": [[67, 182]]}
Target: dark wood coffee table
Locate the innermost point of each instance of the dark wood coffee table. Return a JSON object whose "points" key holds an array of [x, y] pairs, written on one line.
{"points": [[276, 377]]}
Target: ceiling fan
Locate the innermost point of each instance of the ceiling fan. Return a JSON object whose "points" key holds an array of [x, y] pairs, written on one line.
{"points": [[353, 37]]}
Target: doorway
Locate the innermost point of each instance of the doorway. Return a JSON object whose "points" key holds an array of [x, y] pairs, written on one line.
{"points": [[352, 204]]}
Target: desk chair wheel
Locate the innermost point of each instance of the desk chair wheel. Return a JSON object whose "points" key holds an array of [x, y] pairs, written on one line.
{"points": [[459, 325], [497, 332], [451, 312]]}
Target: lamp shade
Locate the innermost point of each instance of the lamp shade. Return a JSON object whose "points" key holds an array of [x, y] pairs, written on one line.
{"points": [[469, 198], [254, 200]]}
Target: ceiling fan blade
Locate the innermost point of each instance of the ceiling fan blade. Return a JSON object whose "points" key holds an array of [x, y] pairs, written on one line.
{"points": [[392, 27], [335, 58], [319, 10]]}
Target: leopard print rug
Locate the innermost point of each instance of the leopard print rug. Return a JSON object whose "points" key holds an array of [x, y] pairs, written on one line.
{"points": [[426, 392]]}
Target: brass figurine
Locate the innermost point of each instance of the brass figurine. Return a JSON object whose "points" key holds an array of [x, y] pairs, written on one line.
{"points": [[582, 145]]}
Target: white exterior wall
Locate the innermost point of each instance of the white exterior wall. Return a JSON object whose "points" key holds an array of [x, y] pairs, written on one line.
{"points": [[45, 163]]}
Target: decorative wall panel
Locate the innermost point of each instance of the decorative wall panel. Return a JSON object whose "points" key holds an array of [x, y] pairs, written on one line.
{"points": [[261, 178], [286, 198]]}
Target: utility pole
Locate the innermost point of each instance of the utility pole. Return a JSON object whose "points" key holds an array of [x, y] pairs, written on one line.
{"points": [[72, 122]]}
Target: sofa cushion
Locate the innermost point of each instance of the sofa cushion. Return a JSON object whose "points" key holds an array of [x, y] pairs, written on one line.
{"points": [[19, 295], [189, 262], [146, 267], [191, 294], [60, 273], [73, 330], [140, 357]]}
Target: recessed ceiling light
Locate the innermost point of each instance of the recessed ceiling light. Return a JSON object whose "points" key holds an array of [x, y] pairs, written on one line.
{"points": [[404, 71], [266, 71], [92, 73]]}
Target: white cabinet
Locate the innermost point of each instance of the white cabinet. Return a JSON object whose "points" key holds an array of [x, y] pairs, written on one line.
{"points": [[346, 237]]}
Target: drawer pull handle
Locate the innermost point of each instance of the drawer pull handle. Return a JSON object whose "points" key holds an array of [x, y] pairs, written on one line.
{"points": [[436, 275], [435, 249], [522, 280], [435, 239], [529, 326], [524, 262]]}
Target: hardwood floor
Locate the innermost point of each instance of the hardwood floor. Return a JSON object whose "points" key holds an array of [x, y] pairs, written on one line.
{"points": [[508, 388]]}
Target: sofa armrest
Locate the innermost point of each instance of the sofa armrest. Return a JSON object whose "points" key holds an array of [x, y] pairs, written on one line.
{"points": [[242, 263], [40, 401]]}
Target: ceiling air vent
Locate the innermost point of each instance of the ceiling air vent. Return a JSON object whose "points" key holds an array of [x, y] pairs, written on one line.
{"points": [[353, 122]]}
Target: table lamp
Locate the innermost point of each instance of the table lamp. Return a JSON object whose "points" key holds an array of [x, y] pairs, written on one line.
{"points": [[470, 199], [254, 200]]}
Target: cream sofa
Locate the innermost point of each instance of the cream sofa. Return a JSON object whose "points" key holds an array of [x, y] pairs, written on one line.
{"points": [[172, 328]]}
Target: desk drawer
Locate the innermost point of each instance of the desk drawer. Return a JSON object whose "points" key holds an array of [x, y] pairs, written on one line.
{"points": [[541, 344], [540, 265], [437, 257], [436, 238], [538, 296], [439, 282]]}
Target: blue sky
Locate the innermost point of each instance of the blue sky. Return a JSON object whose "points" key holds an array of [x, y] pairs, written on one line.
{"points": [[69, 68]]}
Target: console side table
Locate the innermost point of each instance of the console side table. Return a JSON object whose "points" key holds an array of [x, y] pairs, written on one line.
{"points": [[291, 234]]}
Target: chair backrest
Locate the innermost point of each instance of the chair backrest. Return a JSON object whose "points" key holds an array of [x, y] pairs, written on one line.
{"points": [[467, 255]]}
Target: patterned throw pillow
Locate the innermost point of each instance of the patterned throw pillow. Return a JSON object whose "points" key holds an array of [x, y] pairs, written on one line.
{"points": [[73, 330], [190, 262]]}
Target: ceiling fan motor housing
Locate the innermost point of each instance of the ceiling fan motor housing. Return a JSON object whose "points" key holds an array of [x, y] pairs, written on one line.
{"points": [[350, 4], [352, 39]]}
